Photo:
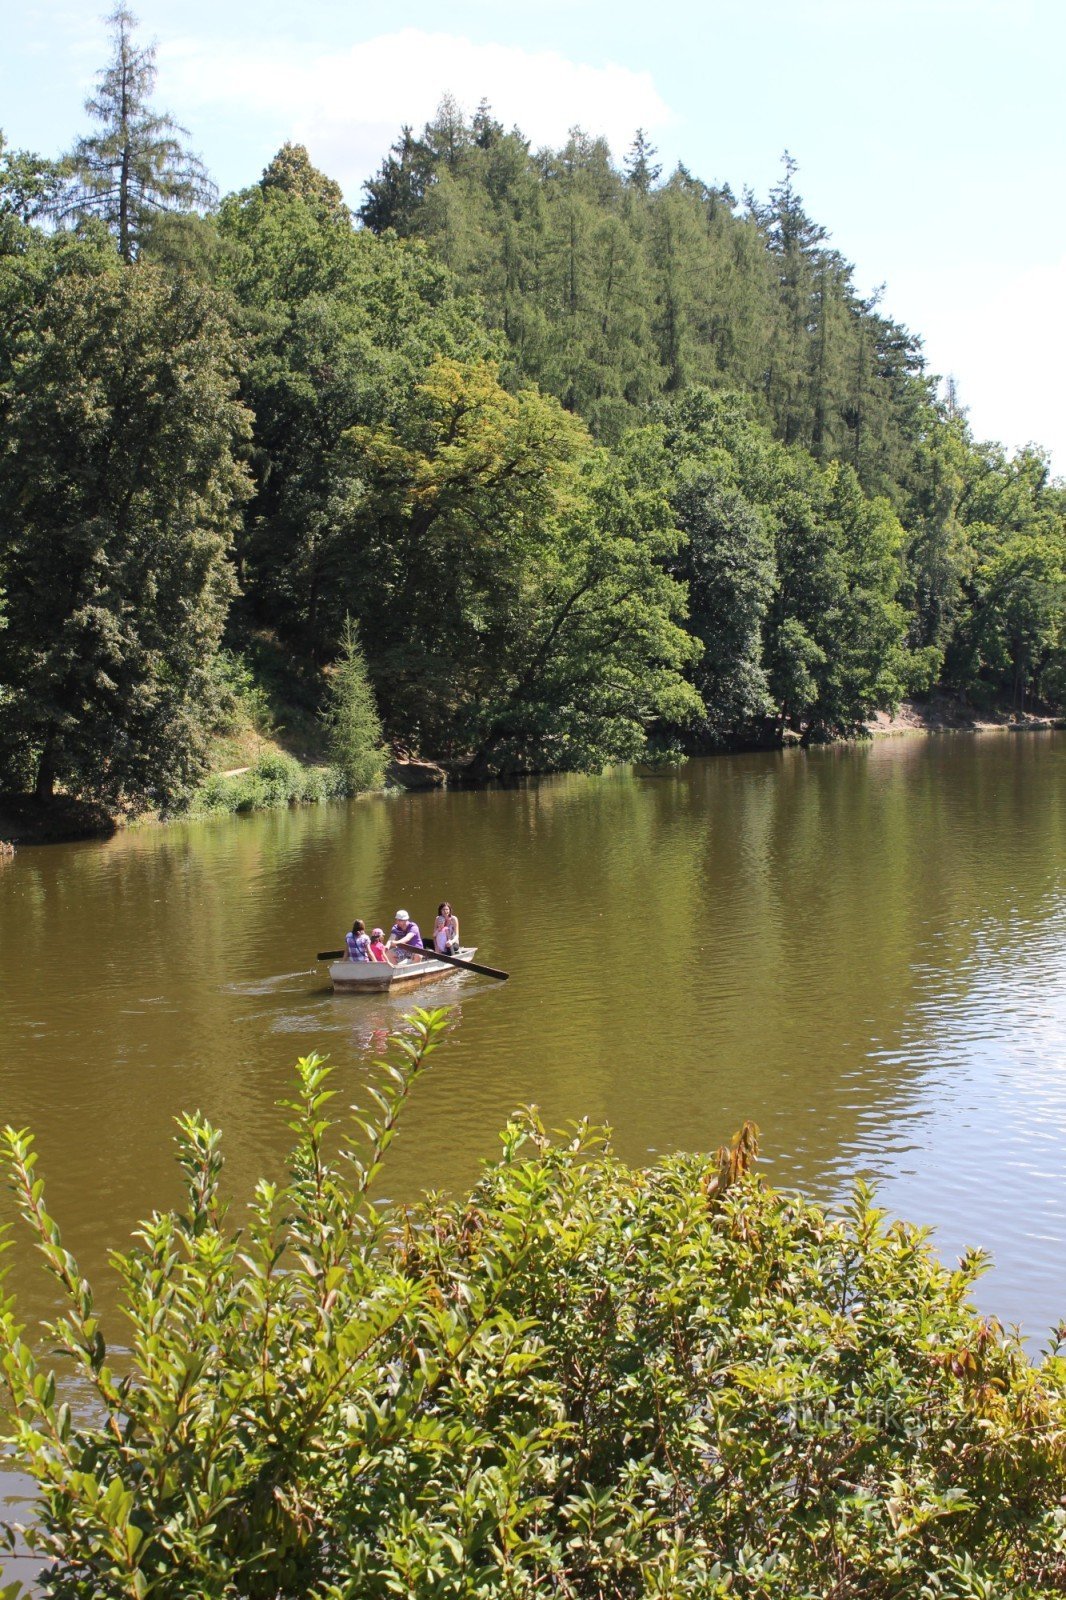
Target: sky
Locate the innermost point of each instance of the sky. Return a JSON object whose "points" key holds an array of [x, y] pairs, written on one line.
{"points": [[930, 134]]}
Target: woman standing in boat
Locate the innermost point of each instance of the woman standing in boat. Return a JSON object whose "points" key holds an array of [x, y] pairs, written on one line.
{"points": [[446, 931], [405, 938]]}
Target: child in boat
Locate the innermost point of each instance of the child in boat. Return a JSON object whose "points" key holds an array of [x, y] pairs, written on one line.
{"points": [[357, 942], [446, 930], [377, 947]]}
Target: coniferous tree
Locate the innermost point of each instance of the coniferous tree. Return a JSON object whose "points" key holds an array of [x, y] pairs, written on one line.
{"points": [[641, 168], [395, 193], [794, 241], [136, 166], [292, 172], [118, 497], [356, 744]]}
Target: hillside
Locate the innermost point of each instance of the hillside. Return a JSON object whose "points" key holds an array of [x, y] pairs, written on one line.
{"points": [[594, 462]]}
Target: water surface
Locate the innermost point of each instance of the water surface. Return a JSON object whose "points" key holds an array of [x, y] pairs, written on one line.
{"points": [[863, 949]]}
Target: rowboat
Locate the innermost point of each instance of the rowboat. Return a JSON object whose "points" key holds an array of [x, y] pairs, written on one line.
{"points": [[377, 977]]}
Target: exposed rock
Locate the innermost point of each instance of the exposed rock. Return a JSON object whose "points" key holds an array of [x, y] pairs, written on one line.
{"points": [[408, 773]]}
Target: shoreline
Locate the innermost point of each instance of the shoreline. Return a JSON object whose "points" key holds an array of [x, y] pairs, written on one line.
{"points": [[68, 821], [949, 714]]}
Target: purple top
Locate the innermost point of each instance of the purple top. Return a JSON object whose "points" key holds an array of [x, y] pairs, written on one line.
{"points": [[358, 946], [410, 935]]}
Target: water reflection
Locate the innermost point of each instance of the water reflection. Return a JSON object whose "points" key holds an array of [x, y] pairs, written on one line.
{"points": [[864, 949]]}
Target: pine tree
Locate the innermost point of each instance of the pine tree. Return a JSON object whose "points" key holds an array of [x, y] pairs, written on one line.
{"points": [[356, 745], [136, 166]]}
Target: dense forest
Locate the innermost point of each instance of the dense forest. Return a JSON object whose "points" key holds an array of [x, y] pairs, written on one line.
{"points": [[545, 461]]}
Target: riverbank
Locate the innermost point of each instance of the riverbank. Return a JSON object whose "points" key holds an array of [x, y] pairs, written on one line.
{"points": [[952, 713], [24, 820], [274, 776]]}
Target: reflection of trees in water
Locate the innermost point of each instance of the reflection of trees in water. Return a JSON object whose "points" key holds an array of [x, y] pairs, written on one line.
{"points": [[845, 901], [754, 935]]}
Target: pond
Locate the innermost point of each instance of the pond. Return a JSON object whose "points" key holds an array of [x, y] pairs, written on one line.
{"points": [[861, 948]]}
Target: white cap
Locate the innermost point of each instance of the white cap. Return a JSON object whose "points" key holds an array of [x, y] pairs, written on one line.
{"points": [[401, 916]]}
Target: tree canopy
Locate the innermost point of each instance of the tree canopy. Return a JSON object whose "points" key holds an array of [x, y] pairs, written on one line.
{"points": [[119, 489], [591, 456]]}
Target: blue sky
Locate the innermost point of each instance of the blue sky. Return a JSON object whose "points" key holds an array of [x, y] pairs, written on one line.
{"points": [[930, 133]]}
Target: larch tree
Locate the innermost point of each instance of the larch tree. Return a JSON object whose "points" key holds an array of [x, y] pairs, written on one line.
{"points": [[135, 166]]}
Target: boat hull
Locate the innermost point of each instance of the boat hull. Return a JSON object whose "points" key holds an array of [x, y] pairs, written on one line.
{"points": [[375, 977]]}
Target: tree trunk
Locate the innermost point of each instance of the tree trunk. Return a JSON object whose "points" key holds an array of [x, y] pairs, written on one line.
{"points": [[44, 788]]}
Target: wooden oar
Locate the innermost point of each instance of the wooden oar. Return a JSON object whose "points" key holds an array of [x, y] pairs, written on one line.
{"points": [[432, 955]]}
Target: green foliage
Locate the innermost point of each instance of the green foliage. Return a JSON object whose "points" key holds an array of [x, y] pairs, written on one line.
{"points": [[292, 172], [28, 185], [239, 697], [356, 746], [339, 326], [613, 288], [275, 780], [698, 489], [515, 600], [578, 1380], [135, 167], [119, 493], [793, 574], [727, 565], [1003, 545]]}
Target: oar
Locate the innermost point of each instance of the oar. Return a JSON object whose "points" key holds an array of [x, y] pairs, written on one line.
{"points": [[432, 955]]}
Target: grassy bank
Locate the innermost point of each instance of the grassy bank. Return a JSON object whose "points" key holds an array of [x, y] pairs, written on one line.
{"points": [[276, 779], [269, 746]]}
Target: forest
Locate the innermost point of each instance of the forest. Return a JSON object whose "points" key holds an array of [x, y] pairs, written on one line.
{"points": [[533, 462]]}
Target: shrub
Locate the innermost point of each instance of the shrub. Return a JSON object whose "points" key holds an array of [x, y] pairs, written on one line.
{"points": [[578, 1380], [278, 777], [275, 780]]}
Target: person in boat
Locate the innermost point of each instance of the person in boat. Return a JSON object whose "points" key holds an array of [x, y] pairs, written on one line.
{"points": [[378, 951], [358, 942], [405, 938], [446, 931]]}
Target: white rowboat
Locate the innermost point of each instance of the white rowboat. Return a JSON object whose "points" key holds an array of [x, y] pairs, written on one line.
{"points": [[376, 977]]}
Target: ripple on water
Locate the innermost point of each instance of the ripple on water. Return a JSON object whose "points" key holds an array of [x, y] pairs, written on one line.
{"points": [[863, 950]]}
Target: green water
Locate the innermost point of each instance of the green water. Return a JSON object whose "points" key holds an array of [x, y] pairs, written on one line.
{"points": [[863, 949]]}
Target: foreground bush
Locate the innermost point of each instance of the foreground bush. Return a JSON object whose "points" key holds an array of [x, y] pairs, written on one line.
{"points": [[580, 1380]]}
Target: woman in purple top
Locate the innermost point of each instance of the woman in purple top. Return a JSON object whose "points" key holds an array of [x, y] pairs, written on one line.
{"points": [[405, 938], [358, 942]]}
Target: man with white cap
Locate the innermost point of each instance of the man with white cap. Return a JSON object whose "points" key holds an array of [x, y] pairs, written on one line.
{"points": [[405, 938]]}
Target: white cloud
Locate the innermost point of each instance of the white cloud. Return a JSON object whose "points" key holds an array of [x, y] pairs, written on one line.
{"points": [[348, 106]]}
